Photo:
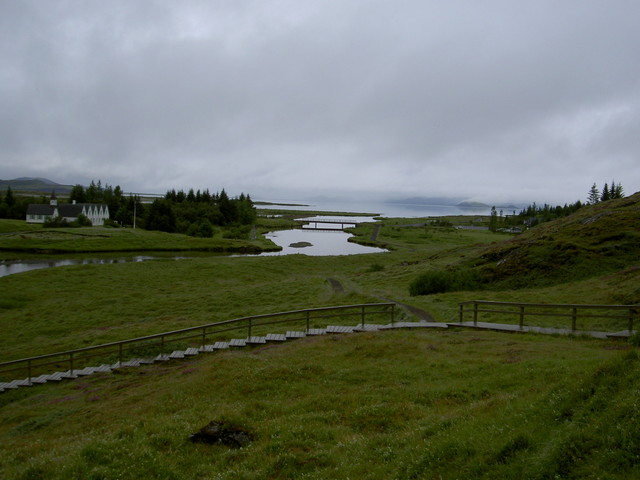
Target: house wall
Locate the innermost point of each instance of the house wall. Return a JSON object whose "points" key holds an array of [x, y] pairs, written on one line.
{"points": [[37, 218]]}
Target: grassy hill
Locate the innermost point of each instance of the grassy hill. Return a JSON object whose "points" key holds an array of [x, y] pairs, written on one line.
{"points": [[598, 239], [39, 186]]}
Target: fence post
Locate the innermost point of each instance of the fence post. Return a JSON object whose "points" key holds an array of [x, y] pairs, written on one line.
{"points": [[204, 336], [362, 317], [308, 314], [71, 363], [120, 355], [521, 317], [393, 317], [29, 370], [574, 318], [249, 330], [631, 312], [475, 314], [461, 313]]}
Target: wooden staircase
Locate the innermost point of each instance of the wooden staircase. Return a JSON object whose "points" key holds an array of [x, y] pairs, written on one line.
{"points": [[210, 348]]}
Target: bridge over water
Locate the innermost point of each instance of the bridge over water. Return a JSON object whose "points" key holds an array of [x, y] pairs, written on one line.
{"points": [[327, 223]]}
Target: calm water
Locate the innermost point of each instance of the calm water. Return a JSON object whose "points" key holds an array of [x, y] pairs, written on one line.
{"points": [[8, 268], [323, 243], [403, 210]]}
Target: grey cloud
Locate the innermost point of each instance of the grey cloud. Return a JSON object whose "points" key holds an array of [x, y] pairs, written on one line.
{"points": [[405, 97]]}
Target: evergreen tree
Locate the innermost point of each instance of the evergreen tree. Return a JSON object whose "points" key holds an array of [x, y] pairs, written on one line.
{"points": [[605, 193], [78, 194], [616, 190], [493, 221], [594, 195]]}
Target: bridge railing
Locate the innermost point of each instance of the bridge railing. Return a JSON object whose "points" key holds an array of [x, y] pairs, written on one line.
{"points": [[193, 337], [618, 317]]}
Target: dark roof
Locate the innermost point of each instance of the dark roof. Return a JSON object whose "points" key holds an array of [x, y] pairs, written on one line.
{"points": [[69, 210], [40, 209]]}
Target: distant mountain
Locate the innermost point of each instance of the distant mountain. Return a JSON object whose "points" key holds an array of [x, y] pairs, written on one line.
{"points": [[34, 185], [468, 204], [446, 201]]}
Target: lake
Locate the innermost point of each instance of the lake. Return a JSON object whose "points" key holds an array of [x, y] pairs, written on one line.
{"points": [[401, 210]]}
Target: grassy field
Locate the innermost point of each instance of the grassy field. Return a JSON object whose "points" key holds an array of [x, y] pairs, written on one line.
{"points": [[19, 239], [392, 405], [401, 404]]}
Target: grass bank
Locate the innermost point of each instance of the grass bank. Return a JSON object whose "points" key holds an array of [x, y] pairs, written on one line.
{"points": [[387, 405], [19, 239]]}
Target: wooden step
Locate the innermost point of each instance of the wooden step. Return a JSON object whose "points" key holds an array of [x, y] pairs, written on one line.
{"points": [[317, 331], [339, 329], [276, 337], [256, 340], [237, 342], [367, 327], [191, 351], [295, 334]]}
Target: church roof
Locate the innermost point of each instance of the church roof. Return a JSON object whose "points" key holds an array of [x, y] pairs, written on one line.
{"points": [[41, 209]]}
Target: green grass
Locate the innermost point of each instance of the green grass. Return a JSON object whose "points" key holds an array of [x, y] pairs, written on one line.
{"points": [[24, 239], [402, 404]]}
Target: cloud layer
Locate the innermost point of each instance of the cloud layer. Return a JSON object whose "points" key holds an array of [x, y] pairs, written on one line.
{"points": [[497, 100]]}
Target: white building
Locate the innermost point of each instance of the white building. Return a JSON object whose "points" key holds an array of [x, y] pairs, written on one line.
{"points": [[96, 212]]}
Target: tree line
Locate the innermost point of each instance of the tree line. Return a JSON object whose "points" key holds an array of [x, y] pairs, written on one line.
{"points": [[195, 213], [536, 214], [608, 193]]}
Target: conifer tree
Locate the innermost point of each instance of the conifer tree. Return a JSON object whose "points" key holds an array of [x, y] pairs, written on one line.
{"points": [[594, 195]]}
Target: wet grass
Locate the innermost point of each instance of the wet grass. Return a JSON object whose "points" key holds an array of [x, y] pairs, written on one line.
{"points": [[401, 404]]}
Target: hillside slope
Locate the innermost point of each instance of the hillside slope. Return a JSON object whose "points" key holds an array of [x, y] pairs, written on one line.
{"points": [[34, 185], [596, 240]]}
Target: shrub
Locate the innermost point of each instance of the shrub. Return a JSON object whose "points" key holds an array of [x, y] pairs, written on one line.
{"points": [[56, 222], [442, 281], [83, 221], [111, 223], [240, 232]]}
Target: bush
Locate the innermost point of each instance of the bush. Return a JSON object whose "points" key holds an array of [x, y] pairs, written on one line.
{"points": [[240, 232], [442, 281], [56, 222], [83, 221]]}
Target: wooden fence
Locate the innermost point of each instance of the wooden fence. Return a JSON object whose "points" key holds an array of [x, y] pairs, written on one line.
{"points": [[626, 313], [200, 336]]}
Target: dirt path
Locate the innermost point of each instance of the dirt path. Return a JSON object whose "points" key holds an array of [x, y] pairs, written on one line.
{"points": [[376, 231], [415, 311]]}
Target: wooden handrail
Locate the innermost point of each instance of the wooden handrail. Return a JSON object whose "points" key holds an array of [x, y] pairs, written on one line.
{"points": [[632, 310], [359, 311]]}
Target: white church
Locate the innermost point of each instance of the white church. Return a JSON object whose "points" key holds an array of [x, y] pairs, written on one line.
{"points": [[39, 213]]}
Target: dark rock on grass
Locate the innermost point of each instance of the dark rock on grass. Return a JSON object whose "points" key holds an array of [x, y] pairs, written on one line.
{"points": [[222, 433]]}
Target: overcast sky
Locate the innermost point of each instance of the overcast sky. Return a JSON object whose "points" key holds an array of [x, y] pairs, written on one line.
{"points": [[487, 100]]}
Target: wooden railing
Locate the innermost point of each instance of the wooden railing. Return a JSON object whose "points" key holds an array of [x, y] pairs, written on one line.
{"points": [[626, 313], [163, 343]]}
